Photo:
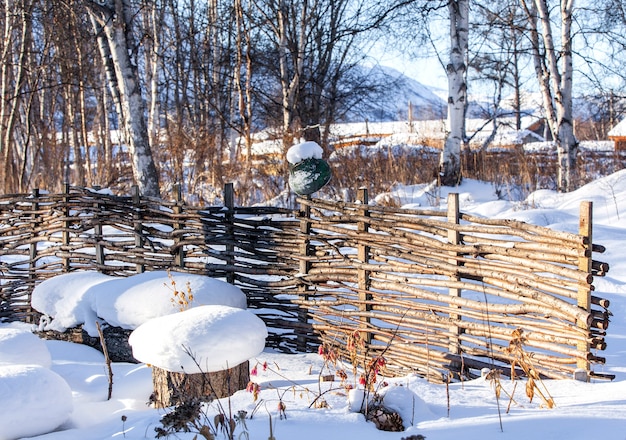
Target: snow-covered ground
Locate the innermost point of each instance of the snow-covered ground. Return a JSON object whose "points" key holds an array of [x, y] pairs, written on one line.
{"points": [[66, 384]]}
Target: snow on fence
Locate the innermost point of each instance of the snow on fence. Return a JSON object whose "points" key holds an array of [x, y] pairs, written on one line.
{"points": [[435, 292]]}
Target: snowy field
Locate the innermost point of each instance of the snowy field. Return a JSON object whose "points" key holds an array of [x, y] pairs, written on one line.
{"points": [[62, 395]]}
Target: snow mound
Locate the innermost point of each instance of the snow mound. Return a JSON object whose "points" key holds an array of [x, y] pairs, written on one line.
{"points": [[406, 403], [130, 302], [19, 346], [66, 299], [199, 340], [76, 298], [33, 400]]}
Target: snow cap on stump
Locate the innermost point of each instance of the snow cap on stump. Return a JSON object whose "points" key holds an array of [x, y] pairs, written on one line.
{"points": [[116, 301], [203, 339], [308, 172]]}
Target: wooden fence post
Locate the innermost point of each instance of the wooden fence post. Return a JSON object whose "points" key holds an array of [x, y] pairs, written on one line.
{"points": [[454, 238], [137, 226], [229, 204], [179, 257], [32, 254], [65, 236], [363, 276], [305, 265], [97, 229], [584, 290], [35, 221]]}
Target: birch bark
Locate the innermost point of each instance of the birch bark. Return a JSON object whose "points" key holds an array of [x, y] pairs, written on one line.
{"points": [[554, 72], [113, 20], [450, 160], [16, 43]]}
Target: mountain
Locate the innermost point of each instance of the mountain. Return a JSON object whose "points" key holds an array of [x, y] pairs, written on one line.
{"points": [[390, 101]]}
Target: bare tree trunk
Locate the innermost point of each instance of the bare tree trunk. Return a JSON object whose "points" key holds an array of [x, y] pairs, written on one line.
{"points": [[217, 81], [77, 166], [568, 144], [153, 63], [555, 84], [291, 62], [115, 20], [450, 161], [244, 89], [84, 134], [13, 79]]}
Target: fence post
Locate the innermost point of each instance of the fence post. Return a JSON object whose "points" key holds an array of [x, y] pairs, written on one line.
{"points": [[305, 265], [363, 275], [179, 257], [34, 222], [65, 236], [229, 204], [585, 228], [137, 226], [97, 229], [454, 238], [32, 254]]}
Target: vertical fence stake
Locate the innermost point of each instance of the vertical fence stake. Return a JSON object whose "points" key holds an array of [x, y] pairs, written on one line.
{"points": [[584, 290], [65, 236], [229, 204], [32, 276], [454, 238], [363, 276], [35, 222], [305, 266], [97, 229], [179, 257], [137, 226]]}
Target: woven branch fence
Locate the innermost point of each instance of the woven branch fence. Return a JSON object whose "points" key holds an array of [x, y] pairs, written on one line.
{"points": [[435, 292]]}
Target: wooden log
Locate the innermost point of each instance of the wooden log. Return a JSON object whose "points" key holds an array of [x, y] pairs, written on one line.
{"points": [[363, 254], [171, 388], [585, 222]]}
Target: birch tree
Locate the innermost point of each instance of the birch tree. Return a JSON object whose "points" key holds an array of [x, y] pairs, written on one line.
{"points": [[243, 76], [14, 79], [554, 71], [502, 53], [113, 24], [450, 159]]}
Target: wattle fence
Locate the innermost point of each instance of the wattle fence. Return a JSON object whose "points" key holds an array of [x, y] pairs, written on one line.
{"points": [[437, 293]]}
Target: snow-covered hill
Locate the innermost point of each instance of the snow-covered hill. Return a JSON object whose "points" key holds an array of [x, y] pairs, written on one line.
{"points": [[398, 90]]}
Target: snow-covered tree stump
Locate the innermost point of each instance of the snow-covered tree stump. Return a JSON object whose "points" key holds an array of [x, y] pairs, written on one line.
{"points": [[171, 388], [191, 352]]}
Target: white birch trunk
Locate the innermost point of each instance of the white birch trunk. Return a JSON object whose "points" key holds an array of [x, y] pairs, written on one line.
{"points": [[244, 86], [131, 106], [13, 80], [154, 62], [216, 174], [450, 160], [555, 83], [4, 75], [567, 139], [290, 79]]}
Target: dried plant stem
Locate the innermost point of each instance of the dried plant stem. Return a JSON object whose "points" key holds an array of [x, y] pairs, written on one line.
{"points": [[107, 359]]}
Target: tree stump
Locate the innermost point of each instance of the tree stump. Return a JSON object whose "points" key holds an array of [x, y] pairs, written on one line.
{"points": [[116, 339], [171, 388]]}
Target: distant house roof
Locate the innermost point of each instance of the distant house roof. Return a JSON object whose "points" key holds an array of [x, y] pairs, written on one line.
{"points": [[619, 130]]}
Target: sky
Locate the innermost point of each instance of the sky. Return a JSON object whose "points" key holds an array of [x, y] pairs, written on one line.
{"points": [[55, 390]]}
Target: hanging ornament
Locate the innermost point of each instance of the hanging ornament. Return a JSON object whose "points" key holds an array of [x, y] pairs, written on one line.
{"points": [[308, 172]]}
